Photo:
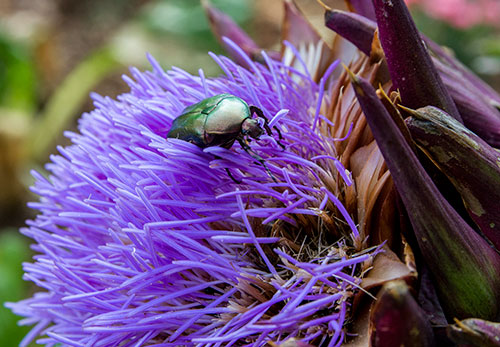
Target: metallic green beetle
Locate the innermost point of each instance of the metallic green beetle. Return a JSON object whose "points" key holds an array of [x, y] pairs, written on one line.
{"points": [[219, 121]]}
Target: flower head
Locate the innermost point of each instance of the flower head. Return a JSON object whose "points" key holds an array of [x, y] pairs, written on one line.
{"points": [[462, 13], [144, 240]]}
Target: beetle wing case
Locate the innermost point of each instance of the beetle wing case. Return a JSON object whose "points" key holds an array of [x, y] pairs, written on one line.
{"points": [[227, 117], [214, 121], [206, 105], [189, 127]]}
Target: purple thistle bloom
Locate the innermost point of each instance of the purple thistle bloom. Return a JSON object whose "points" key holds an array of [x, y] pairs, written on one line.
{"points": [[146, 241]]}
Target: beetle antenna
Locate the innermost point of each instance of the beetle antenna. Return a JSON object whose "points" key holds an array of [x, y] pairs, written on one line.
{"points": [[257, 157], [260, 114]]}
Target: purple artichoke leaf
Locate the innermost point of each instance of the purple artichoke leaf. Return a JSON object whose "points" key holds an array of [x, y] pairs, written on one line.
{"points": [[475, 332], [410, 65], [460, 260], [470, 163], [478, 113], [446, 58], [398, 320], [353, 27], [224, 27], [362, 7]]}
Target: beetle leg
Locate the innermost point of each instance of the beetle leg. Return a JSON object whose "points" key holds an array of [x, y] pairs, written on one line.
{"points": [[254, 155], [231, 177], [229, 172], [244, 144], [280, 137], [259, 113]]}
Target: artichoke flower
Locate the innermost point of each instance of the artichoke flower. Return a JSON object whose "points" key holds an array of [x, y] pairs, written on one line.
{"points": [[355, 233]]}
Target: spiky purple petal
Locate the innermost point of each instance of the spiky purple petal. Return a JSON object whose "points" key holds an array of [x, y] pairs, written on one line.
{"points": [[144, 240]]}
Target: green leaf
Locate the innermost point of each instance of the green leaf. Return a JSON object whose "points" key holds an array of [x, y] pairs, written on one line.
{"points": [[13, 251]]}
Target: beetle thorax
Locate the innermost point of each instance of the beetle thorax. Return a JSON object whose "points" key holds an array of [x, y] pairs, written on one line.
{"points": [[251, 128]]}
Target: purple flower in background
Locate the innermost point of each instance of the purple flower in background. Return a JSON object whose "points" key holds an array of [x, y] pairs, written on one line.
{"points": [[461, 13], [146, 241]]}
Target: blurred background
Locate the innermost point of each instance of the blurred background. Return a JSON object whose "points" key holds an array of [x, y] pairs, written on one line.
{"points": [[54, 52]]}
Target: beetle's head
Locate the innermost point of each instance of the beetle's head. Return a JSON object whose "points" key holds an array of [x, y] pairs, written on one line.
{"points": [[251, 128]]}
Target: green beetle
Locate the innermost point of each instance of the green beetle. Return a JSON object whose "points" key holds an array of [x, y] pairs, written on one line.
{"points": [[219, 121]]}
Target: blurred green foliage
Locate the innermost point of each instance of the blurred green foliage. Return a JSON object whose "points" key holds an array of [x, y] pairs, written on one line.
{"points": [[468, 45], [491, 46], [67, 99], [186, 17], [17, 76], [13, 251]]}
